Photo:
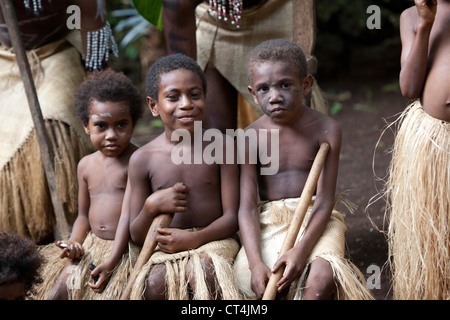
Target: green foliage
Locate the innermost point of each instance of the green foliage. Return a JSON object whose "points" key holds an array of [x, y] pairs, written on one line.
{"points": [[151, 10]]}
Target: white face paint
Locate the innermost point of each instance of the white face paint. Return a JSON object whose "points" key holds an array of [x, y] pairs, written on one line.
{"points": [[95, 117]]}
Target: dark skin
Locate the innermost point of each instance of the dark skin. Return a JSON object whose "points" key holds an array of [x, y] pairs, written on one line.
{"points": [[199, 195], [179, 32], [102, 178], [279, 90], [51, 23], [425, 73]]}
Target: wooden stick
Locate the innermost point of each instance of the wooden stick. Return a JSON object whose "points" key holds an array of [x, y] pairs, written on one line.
{"points": [[62, 226], [299, 215], [160, 221]]}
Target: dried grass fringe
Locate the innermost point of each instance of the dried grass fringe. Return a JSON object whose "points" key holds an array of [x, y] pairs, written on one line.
{"points": [[25, 201], [350, 282], [220, 252], [275, 219], [97, 250], [418, 196]]}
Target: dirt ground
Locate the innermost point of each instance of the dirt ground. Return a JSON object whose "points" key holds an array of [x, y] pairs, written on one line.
{"points": [[364, 160], [365, 108]]}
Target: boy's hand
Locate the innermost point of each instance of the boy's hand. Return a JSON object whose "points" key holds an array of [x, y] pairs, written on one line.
{"points": [[103, 273], [171, 240], [427, 10], [70, 249], [260, 276], [170, 200], [294, 268]]}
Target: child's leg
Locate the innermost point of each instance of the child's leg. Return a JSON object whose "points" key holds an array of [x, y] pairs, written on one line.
{"points": [[59, 290], [210, 276], [156, 283], [320, 283]]}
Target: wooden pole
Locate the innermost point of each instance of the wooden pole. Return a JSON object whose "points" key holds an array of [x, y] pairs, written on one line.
{"points": [[62, 226], [297, 220], [160, 221]]}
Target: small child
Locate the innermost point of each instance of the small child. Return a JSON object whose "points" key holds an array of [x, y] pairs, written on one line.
{"points": [[194, 255], [20, 261], [315, 266], [108, 105]]}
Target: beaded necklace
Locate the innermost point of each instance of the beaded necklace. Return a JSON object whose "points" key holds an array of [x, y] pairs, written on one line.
{"points": [[99, 42], [220, 8]]}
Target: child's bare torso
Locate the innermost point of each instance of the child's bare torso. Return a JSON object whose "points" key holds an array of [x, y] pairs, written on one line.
{"points": [[203, 181], [106, 185], [436, 91], [297, 150]]}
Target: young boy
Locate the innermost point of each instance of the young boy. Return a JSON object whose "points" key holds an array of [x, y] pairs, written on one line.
{"points": [[20, 261], [278, 82], [108, 105], [419, 177], [194, 255]]}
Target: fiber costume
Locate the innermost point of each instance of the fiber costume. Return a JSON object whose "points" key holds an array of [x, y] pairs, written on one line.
{"points": [[221, 252], [418, 195], [221, 45], [96, 251], [275, 217], [57, 69], [25, 205]]}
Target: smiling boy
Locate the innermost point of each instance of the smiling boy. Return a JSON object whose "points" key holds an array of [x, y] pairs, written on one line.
{"points": [[194, 255]]}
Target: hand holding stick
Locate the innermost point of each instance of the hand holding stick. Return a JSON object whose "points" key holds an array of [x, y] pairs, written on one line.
{"points": [[297, 219], [160, 221]]}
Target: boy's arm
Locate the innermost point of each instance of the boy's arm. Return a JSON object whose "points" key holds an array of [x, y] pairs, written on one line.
{"points": [[295, 259], [249, 226], [144, 204], [415, 47], [81, 226], [139, 189]]}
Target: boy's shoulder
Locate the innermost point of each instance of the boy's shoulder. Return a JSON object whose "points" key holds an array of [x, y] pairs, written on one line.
{"points": [[409, 15]]}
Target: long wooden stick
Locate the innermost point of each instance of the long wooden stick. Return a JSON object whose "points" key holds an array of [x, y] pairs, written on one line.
{"points": [[62, 226], [299, 215], [160, 221]]}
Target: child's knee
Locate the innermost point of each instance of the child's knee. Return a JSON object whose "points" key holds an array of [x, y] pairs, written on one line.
{"points": [[320, 283], [156, 283]]}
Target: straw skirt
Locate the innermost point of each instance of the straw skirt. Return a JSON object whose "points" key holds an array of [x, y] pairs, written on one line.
{"points": [[418, 195], [275, 217]]}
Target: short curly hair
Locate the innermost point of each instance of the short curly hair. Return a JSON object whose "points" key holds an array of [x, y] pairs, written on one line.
{"points": [[277, 50], [20, 261], [167, 64], [107, 85]]}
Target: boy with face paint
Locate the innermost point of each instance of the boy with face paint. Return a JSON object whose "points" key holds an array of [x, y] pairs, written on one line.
{"points": [[278, 83], [108, 105], [194, 254]]}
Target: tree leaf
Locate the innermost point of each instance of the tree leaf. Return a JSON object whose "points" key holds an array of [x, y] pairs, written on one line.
{"points": [[151, 10]]}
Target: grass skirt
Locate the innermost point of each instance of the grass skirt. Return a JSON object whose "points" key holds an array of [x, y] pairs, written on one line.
{"points": [[96, 251], [418, 195], [275, 218], [222, 254], [25, 201]]}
